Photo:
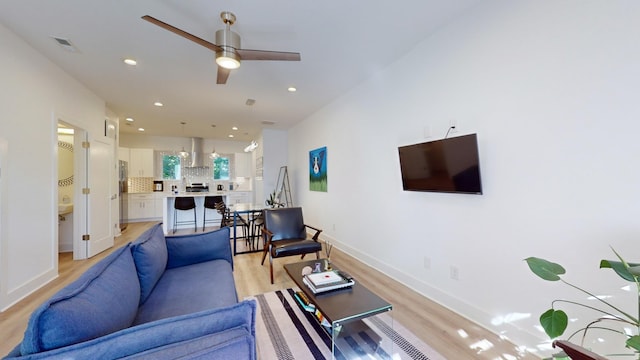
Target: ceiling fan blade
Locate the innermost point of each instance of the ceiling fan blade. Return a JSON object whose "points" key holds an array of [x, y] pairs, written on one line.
{"points": [[246, 54], [182, 33], [223, 75]]}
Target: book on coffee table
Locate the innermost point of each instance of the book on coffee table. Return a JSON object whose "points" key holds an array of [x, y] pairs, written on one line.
{"points": [[324, 278], [328, 286]]}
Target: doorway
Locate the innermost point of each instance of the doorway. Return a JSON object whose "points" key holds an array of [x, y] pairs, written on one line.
{"points": [[84, 192], [66, 182]]}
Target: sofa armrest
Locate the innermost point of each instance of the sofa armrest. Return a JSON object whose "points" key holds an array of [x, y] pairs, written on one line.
{"points": [[176, 332], [196, 248]]}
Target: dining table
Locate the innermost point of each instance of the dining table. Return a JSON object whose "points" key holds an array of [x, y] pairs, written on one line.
{"points": [[245, 214]]}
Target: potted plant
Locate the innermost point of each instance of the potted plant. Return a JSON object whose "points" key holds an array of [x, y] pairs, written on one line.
{"points": [[554, 321], [273, 201]]}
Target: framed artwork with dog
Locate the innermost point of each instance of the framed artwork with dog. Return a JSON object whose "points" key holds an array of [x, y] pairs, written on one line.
{"points": [[318, 169]]}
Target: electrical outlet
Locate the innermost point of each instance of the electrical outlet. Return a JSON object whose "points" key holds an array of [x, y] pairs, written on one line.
{"points": [[454, 272], [427, 262]]}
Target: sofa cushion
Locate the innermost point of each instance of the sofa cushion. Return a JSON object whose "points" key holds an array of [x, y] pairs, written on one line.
{"points": [[103, 300], [150, 256], [195, 248], [235, 343], [236, 320], [189, 289]]}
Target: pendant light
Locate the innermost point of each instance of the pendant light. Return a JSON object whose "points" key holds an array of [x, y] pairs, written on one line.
{"points": [[183, 154], [214, 155]]}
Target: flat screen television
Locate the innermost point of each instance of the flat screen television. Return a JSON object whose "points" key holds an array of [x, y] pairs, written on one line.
{"points": [[447, 165]]}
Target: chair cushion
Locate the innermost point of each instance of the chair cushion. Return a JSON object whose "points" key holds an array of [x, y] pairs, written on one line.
{"points": [[294, 247], [102, 300], [150, 256]]}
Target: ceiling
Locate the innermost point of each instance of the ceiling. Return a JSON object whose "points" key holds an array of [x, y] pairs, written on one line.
{"points": [[341, 44]]}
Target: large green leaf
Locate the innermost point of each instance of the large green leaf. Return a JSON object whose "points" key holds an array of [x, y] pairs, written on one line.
{"points": [[554, 322], [545, 269], [634, 342], [619, 267]]}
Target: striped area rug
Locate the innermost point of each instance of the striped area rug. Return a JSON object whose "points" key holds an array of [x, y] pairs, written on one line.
{"points": [[284, 330]]}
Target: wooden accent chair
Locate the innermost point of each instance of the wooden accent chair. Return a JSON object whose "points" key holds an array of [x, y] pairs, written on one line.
{"points": [[285, 234], [576, 352]]}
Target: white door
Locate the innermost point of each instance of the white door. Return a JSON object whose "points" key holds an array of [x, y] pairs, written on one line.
{"points": [[99, 182]]}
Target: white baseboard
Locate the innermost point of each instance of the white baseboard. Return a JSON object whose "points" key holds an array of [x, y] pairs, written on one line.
{"points": [[21, 292], [470, 312]]}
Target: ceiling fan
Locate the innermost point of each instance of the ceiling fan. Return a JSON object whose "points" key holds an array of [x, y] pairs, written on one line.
{"points": [[228, 51]]}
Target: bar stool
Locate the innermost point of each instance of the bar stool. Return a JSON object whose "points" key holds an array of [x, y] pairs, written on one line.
{"points": [[210, 202], [184, 203]]}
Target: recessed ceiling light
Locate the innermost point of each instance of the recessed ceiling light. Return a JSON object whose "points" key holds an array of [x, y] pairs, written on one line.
{"points": [[140, 129], [129, 119], [158, 103], [292, 89], [230, 135], [130, 62], [234, 128]]}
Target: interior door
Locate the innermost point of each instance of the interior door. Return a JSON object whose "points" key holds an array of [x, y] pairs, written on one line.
{"points": [[100, 175]]}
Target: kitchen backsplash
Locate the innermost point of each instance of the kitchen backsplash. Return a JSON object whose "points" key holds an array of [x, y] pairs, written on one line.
{"points": [[140, 184], [145, 184]]}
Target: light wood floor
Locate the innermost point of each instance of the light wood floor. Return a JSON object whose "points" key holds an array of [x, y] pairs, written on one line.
{"points": [[434, 324]]}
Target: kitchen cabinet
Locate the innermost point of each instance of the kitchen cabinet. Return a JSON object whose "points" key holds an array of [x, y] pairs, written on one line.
{"points": [[242, 165], [239, 197], [143, 207], [123, 154], [157, 213], [141, 162]]}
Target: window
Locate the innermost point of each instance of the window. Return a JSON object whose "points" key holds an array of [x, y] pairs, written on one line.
{"points": [[221, 168], [171, 167]]}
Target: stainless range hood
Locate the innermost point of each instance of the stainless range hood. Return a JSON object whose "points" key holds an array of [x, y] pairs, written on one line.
{"points": [[198, 155]]}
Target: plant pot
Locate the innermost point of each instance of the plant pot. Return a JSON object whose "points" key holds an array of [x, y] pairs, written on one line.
{"points": [[576, 352]]}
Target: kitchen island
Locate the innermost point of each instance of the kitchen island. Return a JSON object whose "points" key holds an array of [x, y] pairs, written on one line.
{"points": [[229, 197]]}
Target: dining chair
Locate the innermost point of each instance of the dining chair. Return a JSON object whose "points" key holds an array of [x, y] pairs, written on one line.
{"points": [[210, 202]]}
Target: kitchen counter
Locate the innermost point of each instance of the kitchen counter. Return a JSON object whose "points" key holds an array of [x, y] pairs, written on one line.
{"points": [[196, 194], [230, 197]]}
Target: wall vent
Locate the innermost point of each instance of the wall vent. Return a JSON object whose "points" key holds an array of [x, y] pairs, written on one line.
{"points": [[65, 44]]}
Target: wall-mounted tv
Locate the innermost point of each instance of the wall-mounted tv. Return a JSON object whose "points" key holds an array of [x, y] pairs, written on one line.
{"points": [[447, 165]]}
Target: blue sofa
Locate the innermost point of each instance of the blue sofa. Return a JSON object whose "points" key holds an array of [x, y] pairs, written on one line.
{"points": [[155, 298]]}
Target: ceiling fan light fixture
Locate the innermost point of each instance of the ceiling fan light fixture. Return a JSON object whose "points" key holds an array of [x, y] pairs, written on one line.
{"points": [[228, 59]]}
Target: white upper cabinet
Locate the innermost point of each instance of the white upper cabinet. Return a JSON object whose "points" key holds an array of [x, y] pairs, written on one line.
{"points": [[243, 165], [141, 162], [123, 154]]}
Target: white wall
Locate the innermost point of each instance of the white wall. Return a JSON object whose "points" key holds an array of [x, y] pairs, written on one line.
{"points": [[34, 94], [551, 89], [273, 148], [173, 143]]}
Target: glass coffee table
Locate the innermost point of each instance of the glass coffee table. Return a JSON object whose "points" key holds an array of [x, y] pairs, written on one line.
{"points": [[344, 309]]}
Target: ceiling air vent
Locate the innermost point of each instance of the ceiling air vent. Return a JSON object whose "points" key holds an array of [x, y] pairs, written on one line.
{"points": [[65, 44]]}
